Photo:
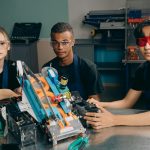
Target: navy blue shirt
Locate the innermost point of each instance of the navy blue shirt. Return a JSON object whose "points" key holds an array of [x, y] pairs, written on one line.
{"points": [[12, 82]]}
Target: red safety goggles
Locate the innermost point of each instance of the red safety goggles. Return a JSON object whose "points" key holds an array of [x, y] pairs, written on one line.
{"points": [[143, 41]]}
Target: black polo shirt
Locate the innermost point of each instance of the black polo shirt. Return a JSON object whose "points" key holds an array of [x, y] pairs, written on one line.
{"points": [[88, 73]]}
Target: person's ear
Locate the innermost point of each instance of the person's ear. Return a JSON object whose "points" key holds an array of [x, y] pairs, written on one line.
{"points": [[8, 46], [73, 42]]}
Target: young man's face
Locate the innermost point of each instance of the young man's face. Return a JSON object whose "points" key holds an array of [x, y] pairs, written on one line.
{"points": [[144, 43], [62, 43]]}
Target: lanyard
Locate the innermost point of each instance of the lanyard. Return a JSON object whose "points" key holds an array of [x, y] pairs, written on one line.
{"points": [[78, 84], [5, 75]]}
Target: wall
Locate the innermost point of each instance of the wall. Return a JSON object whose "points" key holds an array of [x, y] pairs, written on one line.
{"points": [[138, 4], [47, 12], [45, 52], [79, 8]]}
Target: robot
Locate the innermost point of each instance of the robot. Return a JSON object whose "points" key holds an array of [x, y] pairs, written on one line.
{"points": [[48, 101]]}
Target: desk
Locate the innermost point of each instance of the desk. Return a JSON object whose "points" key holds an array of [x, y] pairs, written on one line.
{"points": [[113, 138], [121, 137]]}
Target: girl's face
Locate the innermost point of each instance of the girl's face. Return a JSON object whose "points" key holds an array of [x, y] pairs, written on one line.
{"points": [[4, 46]]}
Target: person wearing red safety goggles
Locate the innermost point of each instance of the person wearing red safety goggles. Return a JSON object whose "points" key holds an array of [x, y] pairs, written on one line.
{"points": [[144, 44], [141, 42], [140, 86]]}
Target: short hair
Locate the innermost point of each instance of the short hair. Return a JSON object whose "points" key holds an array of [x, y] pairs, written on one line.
{"points": [[61, 27], [138, 33], [4, 32]]}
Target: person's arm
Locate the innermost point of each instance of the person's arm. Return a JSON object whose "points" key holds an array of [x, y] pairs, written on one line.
{"points": [[95, 97], [7, 93], [141, 119], [105, 119], [127, 102]]}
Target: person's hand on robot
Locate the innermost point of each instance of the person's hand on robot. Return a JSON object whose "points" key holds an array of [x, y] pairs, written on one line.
{"points": [[101, 119], [7, 93]]}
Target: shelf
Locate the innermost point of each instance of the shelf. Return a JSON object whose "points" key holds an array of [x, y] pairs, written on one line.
{"points": [[112, 28], [109, 66], [132, 61], [108, 69]]}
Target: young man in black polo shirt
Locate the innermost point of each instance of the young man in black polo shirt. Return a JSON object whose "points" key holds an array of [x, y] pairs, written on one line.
{"points": [[81, 73]]}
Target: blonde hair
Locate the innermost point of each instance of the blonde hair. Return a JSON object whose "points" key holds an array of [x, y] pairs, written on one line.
{"points": [[3, 31]]}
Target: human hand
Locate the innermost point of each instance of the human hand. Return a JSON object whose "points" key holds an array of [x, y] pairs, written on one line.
{"points": [[7, 93], [18, 91], [93, 101], [96, 102], [101, 119]]}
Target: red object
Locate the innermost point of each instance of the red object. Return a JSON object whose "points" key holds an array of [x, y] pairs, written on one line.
{"points": [[57, 98], [132, 53], [135, 20], [143, 41]]}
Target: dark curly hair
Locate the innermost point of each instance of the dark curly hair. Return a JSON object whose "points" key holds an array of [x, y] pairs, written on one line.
{"points": [[138, 33], [61, 27]]}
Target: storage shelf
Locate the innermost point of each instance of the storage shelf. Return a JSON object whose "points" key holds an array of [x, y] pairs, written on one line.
{"points": [[132, 61], [112, 28], [109, 66], [108, 69]]}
